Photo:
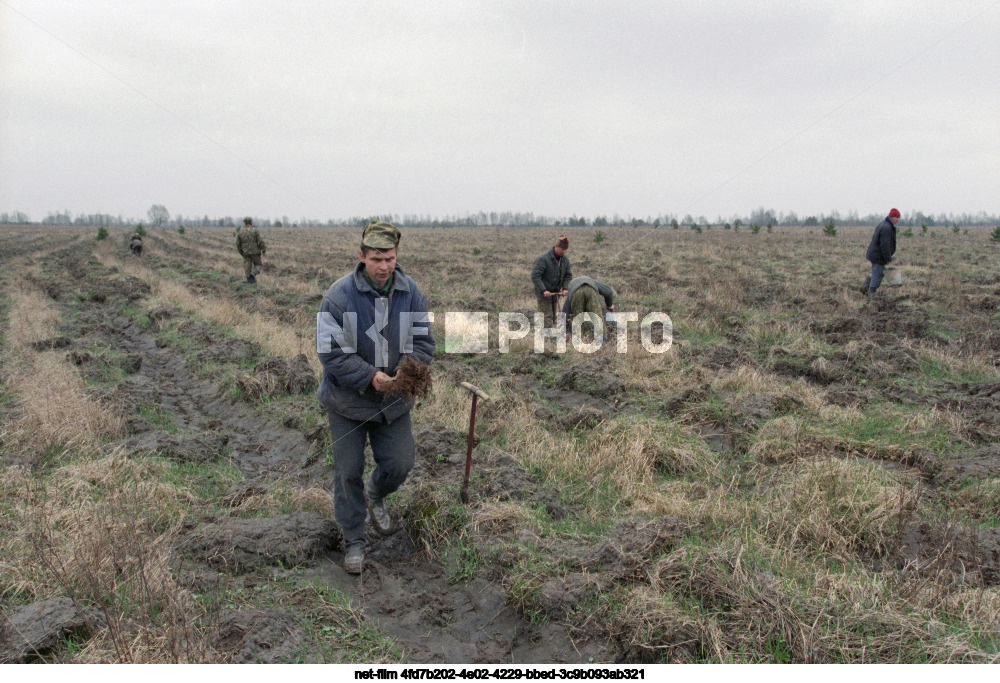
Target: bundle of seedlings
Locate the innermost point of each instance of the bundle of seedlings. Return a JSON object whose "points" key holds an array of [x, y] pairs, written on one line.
{"points": [[411, 380]]}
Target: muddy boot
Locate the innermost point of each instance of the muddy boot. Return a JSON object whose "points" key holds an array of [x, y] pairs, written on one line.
{"points": [[377, 514], [354, 560], [252, 280], [866, 287]]}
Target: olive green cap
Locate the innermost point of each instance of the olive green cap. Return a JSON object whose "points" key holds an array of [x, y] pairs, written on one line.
{"points": [[380, 235]]}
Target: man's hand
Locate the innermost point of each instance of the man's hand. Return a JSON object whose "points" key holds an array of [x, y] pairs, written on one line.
{"points": [[564, 292], [547, 294], [611, 308], [378, 380]]}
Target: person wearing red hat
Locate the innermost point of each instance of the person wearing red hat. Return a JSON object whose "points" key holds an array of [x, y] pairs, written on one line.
{"points": [[880, 250]]}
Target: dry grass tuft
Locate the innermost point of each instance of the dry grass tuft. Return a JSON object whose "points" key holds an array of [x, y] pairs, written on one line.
{"points": [[101, 532], [502, 519], [653, 628], [778, 440], [841, 508], [758, 611], [314, 497], [54, 410], [857, 617], [257, 386]]}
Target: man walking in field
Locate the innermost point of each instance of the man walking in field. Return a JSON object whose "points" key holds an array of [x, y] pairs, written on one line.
{"points": [[251, 247], [135, 245], [880, 250], [368, 322], [551, 276], [587, 295]]}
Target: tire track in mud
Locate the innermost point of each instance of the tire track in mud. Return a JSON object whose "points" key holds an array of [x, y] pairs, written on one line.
{"points": [[402, 591]]}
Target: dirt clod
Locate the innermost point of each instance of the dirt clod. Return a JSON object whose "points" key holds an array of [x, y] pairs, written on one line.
{"points": [[158, 315], [230, 351], [629, 546], [41, 627], [560, 596], [585, 417], [593, 377], [260, 636], [51, 343], [968, 554], [240, 545], [976, 463], [195, 448]]}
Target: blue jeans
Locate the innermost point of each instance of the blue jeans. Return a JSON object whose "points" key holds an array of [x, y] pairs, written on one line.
{"points": [[393, 448], [878, 272]]}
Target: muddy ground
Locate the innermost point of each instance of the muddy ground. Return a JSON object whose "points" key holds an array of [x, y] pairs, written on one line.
{"points": [[191, 392], [401, 590]]}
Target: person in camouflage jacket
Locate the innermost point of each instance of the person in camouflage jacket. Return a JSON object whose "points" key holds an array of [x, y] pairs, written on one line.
{"points": [[251, 247], [587, 295]]}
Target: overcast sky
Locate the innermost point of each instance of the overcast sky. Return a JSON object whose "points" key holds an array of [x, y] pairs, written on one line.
{"points": [[332, 109]]}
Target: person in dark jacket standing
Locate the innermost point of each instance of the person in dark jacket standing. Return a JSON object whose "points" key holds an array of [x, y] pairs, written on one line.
{"points": [[551, 276], [881, 249], [368, 322]]}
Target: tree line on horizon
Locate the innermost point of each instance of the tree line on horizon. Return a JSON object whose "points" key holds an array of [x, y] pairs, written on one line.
{"points": [[158, 216]]}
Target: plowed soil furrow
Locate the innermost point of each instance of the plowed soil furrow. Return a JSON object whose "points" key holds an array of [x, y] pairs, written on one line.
{"points": [[402, 592], [806, 475]]}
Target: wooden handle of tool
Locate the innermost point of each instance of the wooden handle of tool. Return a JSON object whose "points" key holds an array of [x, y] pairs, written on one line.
{"points": [[476, 390]]}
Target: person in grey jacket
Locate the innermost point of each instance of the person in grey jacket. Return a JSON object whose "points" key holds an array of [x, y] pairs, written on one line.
{"points": [[587, 295], [368, 322], [550, 276], [881, 250]]}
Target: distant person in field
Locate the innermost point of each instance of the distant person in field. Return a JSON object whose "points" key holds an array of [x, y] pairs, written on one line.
{"points": [[135, 245], [551, 276], [880, 251], [251, 247], [369, 322], [587, 295]]}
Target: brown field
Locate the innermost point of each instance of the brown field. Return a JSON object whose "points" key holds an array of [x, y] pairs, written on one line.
{"points": [[805, 476]]}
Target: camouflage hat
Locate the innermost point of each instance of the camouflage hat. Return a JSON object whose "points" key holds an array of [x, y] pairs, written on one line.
{"points": [[248, 221], [380, 235]]}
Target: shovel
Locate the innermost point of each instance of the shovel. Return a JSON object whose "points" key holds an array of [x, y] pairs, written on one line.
{"points": [[477, 394]]}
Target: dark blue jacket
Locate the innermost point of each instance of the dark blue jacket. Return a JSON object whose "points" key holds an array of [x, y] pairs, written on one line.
{"points": [[359, 332], [883, 244]]}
